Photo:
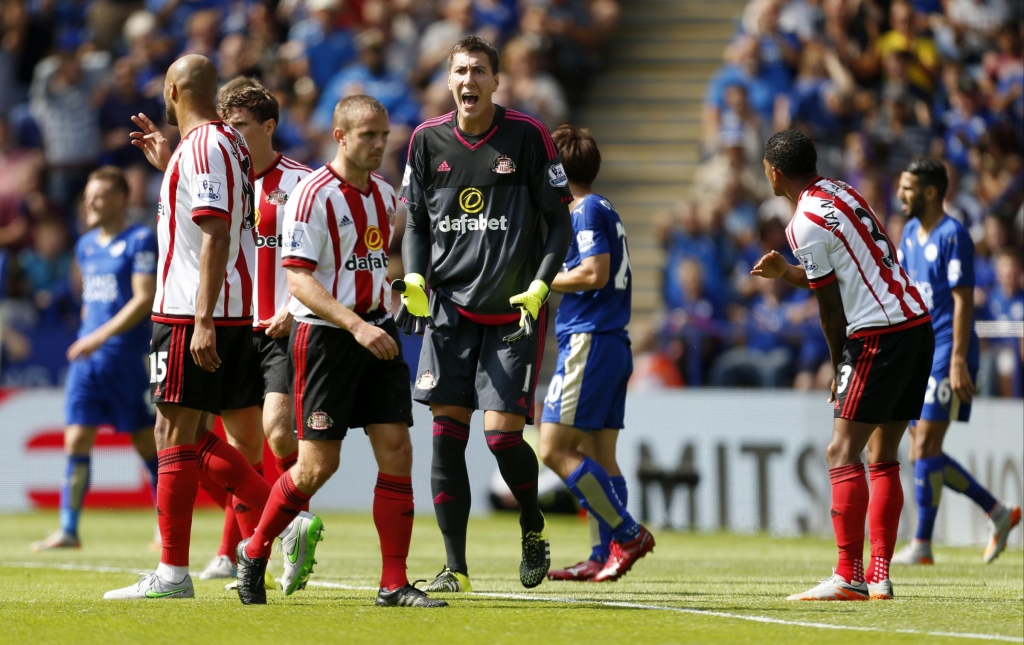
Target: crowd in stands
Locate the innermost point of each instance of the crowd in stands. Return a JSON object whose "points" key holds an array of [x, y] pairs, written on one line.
{"points": [[874, 83], [74, 71]]}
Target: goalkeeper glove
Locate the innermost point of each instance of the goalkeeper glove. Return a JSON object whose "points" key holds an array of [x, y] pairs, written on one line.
{"points": [[529, 303], [415, 310]]}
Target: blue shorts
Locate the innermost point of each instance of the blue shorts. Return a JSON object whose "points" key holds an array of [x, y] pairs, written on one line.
{"points": [[109, 390], [940, 404], [588, 389]]}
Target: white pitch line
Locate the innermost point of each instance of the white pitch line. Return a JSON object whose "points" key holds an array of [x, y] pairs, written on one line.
{"points": [[582, 601], [702, 612]]}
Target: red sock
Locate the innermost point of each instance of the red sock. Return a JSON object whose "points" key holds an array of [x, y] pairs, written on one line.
{"points": [[213, 489], [883, 516], [285, 502], [849, 510], [230, 534], [284, 464], [228, 467], [176, 490], [392, 515], [247, 516]]}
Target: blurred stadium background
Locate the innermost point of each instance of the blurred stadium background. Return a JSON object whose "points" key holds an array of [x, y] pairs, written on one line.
{"points": [[680, 94]]}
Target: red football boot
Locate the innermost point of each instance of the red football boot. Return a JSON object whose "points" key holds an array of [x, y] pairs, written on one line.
{"points": [[580, 571], [624, 555]]}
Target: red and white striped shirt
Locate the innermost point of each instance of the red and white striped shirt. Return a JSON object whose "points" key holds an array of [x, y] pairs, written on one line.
{"points": [[209, 175], [274, 188], [836, 236], [341, 234]]}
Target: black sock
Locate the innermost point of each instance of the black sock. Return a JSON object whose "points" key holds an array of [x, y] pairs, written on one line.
{"points": [[449, 483], [518, 465]]}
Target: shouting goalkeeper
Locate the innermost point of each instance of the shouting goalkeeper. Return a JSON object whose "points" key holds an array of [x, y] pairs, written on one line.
{"points": [[488, 217]]}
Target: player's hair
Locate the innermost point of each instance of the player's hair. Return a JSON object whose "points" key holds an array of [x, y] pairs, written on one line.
{"points": [[247, 94], [792, 152], [111, 174], [929, 172], [475, 45], [581, 158], [347, 107]]}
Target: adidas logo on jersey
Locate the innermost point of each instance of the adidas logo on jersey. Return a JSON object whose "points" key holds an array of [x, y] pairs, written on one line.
{"points": [[467, 223], [345, 221], [444, 167]]}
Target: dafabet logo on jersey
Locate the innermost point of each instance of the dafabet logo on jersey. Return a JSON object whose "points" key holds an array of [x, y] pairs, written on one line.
{"points": [[471, 201], [373, 239]]}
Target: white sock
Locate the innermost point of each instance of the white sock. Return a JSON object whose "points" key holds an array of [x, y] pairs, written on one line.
{"points": [[174, 575]]}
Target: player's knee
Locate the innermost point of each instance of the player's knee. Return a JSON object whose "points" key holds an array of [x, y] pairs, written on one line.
{"points": [[77, 441], [314, 475], [837, 453], [282, 440], [396, 456]]}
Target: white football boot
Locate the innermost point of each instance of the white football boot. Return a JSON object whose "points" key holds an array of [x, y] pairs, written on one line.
{"points": [[153, 586], [834, 587]]}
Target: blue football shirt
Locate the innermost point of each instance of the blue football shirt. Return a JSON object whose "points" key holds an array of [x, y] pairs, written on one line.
{"points": [[597, 229], [943, 261], [107, 284]]}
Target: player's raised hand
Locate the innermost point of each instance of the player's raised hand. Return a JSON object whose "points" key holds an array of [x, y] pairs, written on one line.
{"points": [[204, 346], [960, 380], [772, 266], [378, 341], [151, 141]]}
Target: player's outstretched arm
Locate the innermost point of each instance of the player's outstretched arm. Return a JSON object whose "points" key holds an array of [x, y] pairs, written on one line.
{"points": [[305, 287], [130, 315], [213, 263], [151, 141], [833, 324], [774, 266]]}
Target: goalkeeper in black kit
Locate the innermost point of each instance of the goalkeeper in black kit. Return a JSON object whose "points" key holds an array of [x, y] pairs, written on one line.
{"points": [[489, 223]]}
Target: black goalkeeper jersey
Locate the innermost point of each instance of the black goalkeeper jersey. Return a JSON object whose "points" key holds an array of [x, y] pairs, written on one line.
{"points": [[484, 199]]}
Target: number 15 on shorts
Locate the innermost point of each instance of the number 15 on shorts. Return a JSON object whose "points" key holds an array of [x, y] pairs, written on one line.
{"points": [[157, 367]]}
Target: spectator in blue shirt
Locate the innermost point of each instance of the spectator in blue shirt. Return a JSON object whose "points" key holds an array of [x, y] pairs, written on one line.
{"points": [[765, 358], [1001, 357], [328, 46], [763, 83]]}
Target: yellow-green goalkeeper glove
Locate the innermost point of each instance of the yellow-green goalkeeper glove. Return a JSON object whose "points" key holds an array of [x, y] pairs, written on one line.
{"points": [[529, 303], [415, 310]]}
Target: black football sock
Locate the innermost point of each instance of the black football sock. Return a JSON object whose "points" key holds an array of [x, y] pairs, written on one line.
{"points": [[518, 465], [449, 483]]}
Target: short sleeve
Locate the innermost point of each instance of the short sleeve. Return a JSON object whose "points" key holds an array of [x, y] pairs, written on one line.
{"points": [[305, 230], [411, 191], [590, 226], [210, 186], [959, 251], [144, 252], [811, 245]]}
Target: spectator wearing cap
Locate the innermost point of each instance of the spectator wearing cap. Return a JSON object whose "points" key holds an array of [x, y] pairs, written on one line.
{"points": [[327, 46], [65, 102]]}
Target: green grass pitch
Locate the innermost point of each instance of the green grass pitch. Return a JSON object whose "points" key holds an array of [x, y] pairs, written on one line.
{"points": [[695, 588]]}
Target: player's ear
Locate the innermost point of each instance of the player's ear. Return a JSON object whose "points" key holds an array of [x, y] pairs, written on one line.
{"points": [[271, 127], [339, 135]]}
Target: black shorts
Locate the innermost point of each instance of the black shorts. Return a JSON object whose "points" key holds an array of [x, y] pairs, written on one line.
{"points": [[175, 378], [338, 384], [467, 364], [884, 377], [269, 363]]}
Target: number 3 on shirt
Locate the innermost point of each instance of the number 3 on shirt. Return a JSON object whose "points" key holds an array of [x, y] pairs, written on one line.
{"points": [[622, 277]]}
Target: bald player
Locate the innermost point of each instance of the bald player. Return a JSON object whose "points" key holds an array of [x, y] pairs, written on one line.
{"points": [[202, 313]]}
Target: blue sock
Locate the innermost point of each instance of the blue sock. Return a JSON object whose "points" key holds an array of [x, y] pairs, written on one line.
{"points": [[593, 488], [152, 465], [928, 481], [76, 484], [602, 550], [961, 481]]}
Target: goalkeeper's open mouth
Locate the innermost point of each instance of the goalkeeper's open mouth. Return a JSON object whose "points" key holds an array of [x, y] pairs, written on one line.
{"points": [[470, 100]]}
